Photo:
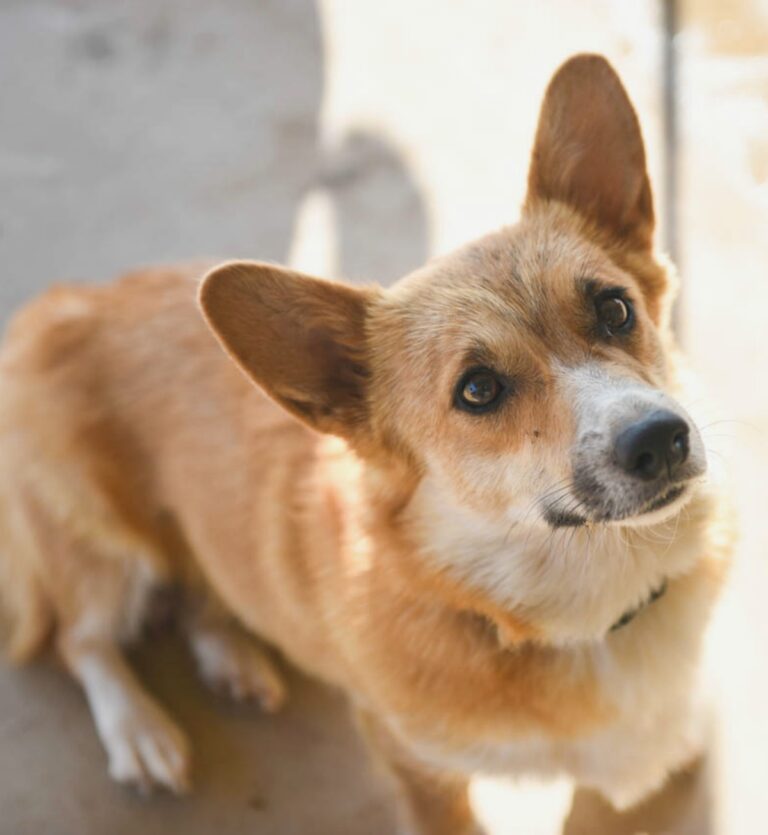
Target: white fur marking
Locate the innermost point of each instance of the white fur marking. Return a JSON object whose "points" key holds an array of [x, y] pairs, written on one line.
{"points": [[144, 746]]}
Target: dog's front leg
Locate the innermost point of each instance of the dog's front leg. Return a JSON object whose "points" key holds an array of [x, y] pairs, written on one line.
{"points": [[230, 660], [145, 747], [435, 803]]}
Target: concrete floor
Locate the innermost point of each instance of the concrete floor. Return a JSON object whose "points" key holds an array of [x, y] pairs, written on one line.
{"points": [[302, 771], [355, 138]]}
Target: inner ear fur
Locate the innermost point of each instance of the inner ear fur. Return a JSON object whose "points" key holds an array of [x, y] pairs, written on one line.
{"points": [[589, 152], [302, 339]]}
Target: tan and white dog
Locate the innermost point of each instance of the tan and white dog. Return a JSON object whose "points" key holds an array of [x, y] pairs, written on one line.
{"points": [[472, 500]]}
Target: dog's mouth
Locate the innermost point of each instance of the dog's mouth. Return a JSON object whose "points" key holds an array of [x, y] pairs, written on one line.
{"points": [[665, 499], [565, 518]]}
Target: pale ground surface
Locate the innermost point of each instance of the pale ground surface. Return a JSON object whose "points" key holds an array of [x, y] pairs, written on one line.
{"points": [[356, 138]]}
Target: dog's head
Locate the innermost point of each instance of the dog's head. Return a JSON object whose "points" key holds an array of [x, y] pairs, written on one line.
{"points": [[524, 382], [529, 371]]}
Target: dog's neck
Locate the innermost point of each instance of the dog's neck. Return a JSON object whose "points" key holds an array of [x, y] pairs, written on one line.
{"points": [[563, 586]]}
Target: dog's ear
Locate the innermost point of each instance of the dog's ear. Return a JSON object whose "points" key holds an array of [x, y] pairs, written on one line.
{"points": [[301, 339], [589, 151]]}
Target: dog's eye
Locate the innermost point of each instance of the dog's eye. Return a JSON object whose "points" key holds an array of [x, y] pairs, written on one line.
{"points": [[614, 312], [478, 390]]}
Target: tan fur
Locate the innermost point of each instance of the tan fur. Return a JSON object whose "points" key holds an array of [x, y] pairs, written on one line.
{"points": [[136, 453]]}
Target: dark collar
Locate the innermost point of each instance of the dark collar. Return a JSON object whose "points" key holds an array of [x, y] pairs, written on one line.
{"points": [[630, 615]]}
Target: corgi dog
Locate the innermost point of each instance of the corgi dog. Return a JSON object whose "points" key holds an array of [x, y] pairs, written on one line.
{"points": [[473, 501]]}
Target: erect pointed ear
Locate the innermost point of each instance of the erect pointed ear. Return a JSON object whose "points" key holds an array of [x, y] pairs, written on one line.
{"points": [[301, 339], [589, 151]]}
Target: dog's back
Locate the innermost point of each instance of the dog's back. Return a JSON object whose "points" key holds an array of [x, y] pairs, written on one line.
{"points": [[118, 410]]}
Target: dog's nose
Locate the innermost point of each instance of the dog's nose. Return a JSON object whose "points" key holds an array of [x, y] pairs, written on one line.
{"points": [[652, 446]]}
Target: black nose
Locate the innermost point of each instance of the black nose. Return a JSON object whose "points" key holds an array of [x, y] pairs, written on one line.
{"points": [[655, 445]]}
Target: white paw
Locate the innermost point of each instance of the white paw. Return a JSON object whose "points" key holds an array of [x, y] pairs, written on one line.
{"points": [[146, 749], [233, 664]]}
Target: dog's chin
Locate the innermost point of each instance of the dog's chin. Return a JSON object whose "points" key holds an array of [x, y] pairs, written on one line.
{"points": [[667, 504]]}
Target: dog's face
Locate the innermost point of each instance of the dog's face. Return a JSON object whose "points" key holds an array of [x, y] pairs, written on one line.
{"points": [[527, 374]]}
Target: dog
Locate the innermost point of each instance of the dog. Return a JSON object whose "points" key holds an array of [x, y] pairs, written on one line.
{"points": [[473, 501]]}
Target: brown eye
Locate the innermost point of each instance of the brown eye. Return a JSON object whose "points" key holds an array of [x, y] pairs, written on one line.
{"points": [[478, 390], [614, 313]]}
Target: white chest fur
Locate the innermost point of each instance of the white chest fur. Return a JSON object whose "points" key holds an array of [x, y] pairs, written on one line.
{"points": [[647, 674]]}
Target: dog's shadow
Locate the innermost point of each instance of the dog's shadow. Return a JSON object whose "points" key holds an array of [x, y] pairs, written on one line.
{"points": [[183, 136]]}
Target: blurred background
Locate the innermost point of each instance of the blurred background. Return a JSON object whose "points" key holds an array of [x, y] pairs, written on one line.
{"points": [[356, 138]]}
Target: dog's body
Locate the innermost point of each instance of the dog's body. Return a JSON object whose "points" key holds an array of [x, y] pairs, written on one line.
{"points": [[447, 568]]}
